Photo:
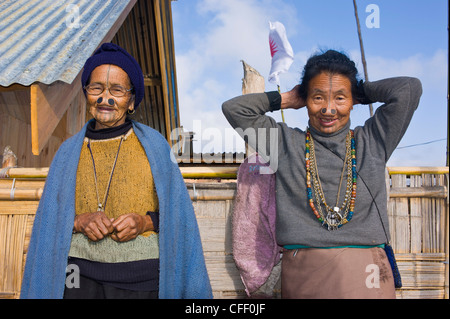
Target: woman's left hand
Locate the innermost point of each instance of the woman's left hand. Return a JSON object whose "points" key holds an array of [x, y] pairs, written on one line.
{"points": [[129, 226]]}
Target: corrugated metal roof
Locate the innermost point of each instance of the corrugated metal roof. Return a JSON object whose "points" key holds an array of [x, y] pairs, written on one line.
{"points": [[46, 41]]}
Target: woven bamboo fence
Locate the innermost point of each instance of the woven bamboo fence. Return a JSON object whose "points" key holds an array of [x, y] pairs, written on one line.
{"points": [[417, 208]]}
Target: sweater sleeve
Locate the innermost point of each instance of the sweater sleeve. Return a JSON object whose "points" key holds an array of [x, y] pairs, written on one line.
{"points": [[386, 128], [247, 115]]}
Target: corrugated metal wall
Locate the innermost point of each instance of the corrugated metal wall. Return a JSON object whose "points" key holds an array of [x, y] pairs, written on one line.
{"points": [[47, 41]]}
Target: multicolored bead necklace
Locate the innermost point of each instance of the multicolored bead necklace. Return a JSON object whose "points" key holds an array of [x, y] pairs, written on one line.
{"points": [[335, 216]]}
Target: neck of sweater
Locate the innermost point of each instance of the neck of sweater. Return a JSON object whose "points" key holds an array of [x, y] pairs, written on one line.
{"points": [[109, 132], [334, 142]]}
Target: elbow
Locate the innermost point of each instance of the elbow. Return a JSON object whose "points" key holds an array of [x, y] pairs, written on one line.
{"points": [[225, 108], [416, 90], [416, 86], [228, 110]]}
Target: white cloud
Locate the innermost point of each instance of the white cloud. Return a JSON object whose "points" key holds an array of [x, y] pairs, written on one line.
{"points": [[431, 70]]}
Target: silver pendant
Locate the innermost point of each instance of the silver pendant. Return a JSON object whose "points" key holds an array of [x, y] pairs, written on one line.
{"points": [[333, 219]]}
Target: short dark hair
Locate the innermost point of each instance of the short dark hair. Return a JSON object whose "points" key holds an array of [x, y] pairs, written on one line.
{"points": [[333, 62]]}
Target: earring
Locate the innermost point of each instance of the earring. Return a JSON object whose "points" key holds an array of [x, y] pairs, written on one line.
{"points": [[132, 112]]}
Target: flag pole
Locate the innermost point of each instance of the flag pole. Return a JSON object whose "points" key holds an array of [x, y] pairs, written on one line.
{"points": [[282, 113]]}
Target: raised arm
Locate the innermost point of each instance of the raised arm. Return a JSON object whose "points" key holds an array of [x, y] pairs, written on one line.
{"points": [[401, 96]]}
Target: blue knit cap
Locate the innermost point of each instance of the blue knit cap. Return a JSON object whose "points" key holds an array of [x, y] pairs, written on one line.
{"points": [[110, 53]]}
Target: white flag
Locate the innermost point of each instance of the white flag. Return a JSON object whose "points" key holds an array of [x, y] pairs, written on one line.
{"points": [[281, 51]]}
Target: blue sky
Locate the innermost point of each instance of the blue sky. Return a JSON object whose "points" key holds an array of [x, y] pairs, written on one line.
{"points": [[213, 36]]}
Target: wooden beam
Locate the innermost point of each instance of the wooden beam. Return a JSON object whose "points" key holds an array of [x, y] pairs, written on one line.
{"points": [[209, 172], [152, 82], [231, 171], [174, 71], [162, 59], [48, 105], [164, 32], [418, 192], [14, 87], [167, 67], [187, 172], [418, 170], [27, 172]]}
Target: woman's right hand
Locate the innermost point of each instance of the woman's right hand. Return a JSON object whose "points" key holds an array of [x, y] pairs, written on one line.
{"points": [[292, 99], [93, 225]]}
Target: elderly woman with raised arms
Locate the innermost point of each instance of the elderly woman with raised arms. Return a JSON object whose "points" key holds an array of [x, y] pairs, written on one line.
{"points": [[330, 179], [115, 207]]}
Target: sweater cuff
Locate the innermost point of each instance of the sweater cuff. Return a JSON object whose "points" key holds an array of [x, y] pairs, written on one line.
{"points": [[362, 97], [155, 220], [274, 100]]}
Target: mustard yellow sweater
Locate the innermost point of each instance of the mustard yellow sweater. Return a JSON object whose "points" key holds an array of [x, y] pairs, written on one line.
{"points": [[132, 190]]}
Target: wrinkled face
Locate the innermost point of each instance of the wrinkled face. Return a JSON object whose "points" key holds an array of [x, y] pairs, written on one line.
{"points": [[329, 102], [107, 109]]}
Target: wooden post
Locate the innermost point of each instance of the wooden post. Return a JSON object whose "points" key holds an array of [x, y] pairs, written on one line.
{"points": [[399, 218], [167, 65], [446, 243], [9, 158], [253, 82]]}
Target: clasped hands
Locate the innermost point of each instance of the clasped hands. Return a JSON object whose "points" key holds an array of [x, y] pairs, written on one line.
{"points": [[97, 226]]}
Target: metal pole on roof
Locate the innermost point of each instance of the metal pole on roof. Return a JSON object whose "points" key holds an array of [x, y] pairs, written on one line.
{"points": [[363, 57]]}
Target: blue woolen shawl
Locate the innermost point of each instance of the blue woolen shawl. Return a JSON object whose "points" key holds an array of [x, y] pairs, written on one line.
{"points": [[182, 266]]}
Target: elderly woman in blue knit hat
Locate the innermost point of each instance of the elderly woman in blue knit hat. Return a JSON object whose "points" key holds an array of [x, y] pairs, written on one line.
{"points": [[115, 219]]}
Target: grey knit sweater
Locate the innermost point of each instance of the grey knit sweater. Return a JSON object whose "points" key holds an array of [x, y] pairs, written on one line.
{"points": [[375, 142]]}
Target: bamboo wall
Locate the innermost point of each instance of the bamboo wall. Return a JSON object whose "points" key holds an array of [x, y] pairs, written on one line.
{"points": [[418, 213], [418, 217]]}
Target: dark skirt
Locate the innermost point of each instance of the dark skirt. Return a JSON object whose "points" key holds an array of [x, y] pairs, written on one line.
{"points": [[91, 289]]}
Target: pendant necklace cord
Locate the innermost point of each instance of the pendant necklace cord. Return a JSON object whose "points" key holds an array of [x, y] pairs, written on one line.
{"points": [[101, 206], [318, 178]]}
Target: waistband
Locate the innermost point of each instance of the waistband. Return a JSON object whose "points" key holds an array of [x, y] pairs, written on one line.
{"points": [[289, 247]]}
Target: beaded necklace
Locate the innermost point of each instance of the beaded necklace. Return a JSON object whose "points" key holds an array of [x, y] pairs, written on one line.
{"points": [[335, 216]]}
